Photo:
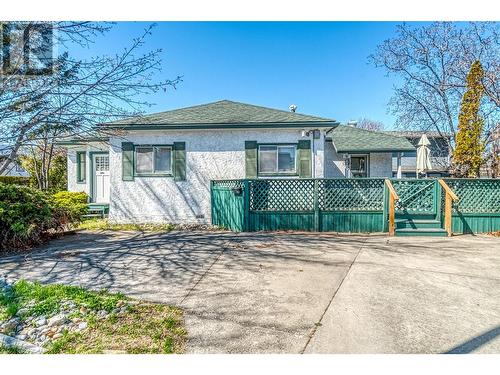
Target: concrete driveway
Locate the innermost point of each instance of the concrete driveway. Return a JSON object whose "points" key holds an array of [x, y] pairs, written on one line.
{"points": [[294, 293]]}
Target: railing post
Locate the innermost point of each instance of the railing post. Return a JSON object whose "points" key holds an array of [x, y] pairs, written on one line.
{"points": [[447, 214], [392, 216], [393, 196], [385, 227], [316, 207], [450, 197]]}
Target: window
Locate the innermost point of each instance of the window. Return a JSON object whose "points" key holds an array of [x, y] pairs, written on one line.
{"points": [[153, 160], [359, 166], [277, 159], [81, 166]]}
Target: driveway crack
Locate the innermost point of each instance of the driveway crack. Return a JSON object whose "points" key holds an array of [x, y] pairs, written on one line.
{"points": [[202, 277], [316, 325]]}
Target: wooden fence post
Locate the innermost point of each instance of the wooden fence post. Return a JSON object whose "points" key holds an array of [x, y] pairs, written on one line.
{"points": [[393, 196], [450, 197]]}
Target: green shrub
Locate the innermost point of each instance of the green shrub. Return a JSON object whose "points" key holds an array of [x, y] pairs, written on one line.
{"points": [[69, 207], [15, 180], [25, 214]]}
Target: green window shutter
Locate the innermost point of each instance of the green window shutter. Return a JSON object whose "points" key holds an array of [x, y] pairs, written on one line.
{"points": [[251, 159], [179, 161], [81, 166], [127, 161], [304, 150]]}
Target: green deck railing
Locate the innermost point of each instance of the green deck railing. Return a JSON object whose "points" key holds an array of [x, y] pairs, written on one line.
{"points": [[348, 205]]}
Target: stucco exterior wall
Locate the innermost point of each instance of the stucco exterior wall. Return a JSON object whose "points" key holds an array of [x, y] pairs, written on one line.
{"points": [[334, 163], [380, 164], [210, 155], [73, 185]]}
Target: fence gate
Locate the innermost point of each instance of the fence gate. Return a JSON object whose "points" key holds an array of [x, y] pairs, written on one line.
{"points": [[417, 197]]}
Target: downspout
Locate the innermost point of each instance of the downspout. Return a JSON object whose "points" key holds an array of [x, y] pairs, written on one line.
{"points": [[314, 156]]}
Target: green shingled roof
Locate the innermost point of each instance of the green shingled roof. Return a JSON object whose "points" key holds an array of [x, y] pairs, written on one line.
{"points": [[223, 113], [352, 139]]}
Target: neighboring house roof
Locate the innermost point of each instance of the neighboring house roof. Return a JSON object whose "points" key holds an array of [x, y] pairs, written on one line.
{"points": [[352, 139], [221, 114], [418, 134]]}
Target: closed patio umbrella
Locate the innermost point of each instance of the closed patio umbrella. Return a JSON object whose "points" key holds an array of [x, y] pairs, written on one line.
{"points": [[423, 155]]}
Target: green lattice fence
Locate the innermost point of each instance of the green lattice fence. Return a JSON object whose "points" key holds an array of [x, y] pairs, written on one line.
{"points": [[476, 196], [416, 196], [349, 205], [351, 194], [281, 195]]}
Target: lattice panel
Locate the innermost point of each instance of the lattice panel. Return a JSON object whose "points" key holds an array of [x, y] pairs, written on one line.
{"points": [[476, 196], [281, 195], [416, 196], [228, 184], [351, 194]]}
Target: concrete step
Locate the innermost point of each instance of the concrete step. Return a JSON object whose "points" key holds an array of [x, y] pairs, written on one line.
{"points": [[434, 232]]}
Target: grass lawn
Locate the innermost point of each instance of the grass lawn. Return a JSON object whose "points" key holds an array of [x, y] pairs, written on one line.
{"points": [[114, 323], [103, 224]]}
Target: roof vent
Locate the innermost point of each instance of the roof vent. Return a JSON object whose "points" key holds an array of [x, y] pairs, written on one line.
{"points": [[293, 107]]}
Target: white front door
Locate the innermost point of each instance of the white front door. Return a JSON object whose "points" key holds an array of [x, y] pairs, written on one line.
{"points": [[101, 178]]}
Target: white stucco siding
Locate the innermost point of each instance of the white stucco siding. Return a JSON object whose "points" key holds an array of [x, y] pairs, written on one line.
{"points": [[381, 164], [334, 163], [73, 185], [213, 154]]}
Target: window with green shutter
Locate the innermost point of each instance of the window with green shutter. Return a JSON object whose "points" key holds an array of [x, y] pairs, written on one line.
{"points": [[81, 167]]}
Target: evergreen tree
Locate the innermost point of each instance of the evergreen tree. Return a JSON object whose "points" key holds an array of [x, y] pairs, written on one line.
{"points": [[468, 154]]}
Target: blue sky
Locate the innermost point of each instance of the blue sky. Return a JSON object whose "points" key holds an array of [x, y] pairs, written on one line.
{"points": [[322, 67]]}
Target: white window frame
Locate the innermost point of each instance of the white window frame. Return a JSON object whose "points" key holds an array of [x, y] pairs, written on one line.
{"points": [[153, 171], [277, 172]]}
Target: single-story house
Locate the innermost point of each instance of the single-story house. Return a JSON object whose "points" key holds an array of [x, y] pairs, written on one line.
{"points": [[158, 167]]}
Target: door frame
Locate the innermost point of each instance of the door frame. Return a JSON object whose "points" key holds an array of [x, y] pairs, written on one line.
{"points": [[367, 164], [92, 173]]}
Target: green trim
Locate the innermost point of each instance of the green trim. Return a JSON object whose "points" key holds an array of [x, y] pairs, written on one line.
{"points": [[91, 177], [79, 142], [305, 158], [163, 174], [79, 178], [253, 125], [368, 151], [179, 161], [251, 165], [128, 161]]}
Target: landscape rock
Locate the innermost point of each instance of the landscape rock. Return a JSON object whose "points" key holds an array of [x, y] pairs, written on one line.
{"points": [[41, 321], [57, 320], [82, 326]]}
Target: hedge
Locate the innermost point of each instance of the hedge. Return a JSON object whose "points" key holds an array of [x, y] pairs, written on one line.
{"points": [[27, 214], [15, 180]]}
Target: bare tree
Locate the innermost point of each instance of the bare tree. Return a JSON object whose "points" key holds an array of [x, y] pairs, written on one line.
{"points": [[368, 124], [432, 64], [77, 94]]}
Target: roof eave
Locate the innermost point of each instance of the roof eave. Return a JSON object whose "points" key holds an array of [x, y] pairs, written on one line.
{"points": [[374, 150], [201, 126]]}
